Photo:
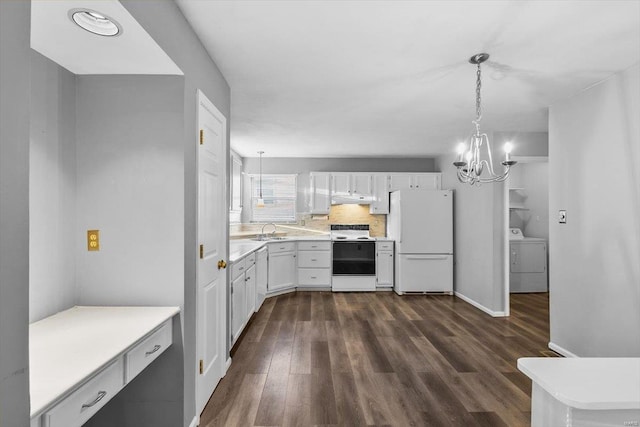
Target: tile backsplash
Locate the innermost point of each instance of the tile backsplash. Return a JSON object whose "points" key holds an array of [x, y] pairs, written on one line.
{"points": [[316, 224]]}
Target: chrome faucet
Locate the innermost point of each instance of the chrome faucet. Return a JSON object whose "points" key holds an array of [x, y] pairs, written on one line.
{"points": [[272, 233]]}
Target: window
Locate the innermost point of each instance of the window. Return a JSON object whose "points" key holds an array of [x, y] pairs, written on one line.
{"points": [[279, 195]]}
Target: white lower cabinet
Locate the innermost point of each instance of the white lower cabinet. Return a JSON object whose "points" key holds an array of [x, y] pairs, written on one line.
{"points": [[314, 264], [147, 351], [243, 294], [384, 264], [83, 403], [262, 276], [282, 266], [250, 285], [238, 306]]}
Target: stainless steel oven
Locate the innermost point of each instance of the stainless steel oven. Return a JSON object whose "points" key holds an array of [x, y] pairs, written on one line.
{"points": [[353, 258]]}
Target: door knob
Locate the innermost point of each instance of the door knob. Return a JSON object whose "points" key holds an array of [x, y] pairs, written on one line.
{"points": [[222, 264]]}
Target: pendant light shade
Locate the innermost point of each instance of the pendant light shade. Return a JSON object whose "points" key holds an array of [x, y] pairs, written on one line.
{"points": [[260, 203]]}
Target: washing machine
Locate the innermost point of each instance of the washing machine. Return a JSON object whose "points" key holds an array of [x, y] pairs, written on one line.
{"points": [[527, 263]]}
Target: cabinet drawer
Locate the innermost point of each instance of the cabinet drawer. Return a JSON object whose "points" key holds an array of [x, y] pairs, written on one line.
{"points": [[314, 259], [83, 403], [237, 269], [314, 246], [250, 260], [384, 246], [147, 351], [275, 248], [314, 276]]}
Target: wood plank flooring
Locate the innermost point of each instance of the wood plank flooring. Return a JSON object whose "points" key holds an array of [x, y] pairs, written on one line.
{"points": [[352, 359]]}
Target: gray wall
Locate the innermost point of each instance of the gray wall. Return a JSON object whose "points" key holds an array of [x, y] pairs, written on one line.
{"points": [[130, 187], [14, 212], [524, 143], [594, 154], [52, 189], [478, 231], [302, 166], [168, 27]]}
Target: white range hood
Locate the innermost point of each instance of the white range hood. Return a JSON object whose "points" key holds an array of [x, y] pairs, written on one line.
{"points": [[351, 199]]}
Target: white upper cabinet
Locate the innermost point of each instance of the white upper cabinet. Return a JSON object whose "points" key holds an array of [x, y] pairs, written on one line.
{"points": [[421, 181], [400, 181], [320, 192], [362, 184], [426, 181], [380, 202], [341, 183]]}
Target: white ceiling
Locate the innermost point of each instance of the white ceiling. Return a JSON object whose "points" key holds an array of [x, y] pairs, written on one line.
{"points": [[391, 78], [57, 37]]}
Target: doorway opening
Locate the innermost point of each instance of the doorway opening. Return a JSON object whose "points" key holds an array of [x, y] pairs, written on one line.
{"points": [[527, 233]]}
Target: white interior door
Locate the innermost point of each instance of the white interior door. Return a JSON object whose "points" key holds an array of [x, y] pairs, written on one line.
{"points": [[212, 236]]}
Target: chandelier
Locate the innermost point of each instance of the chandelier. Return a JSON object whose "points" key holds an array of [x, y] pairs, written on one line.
{"points": [[472, 167]]}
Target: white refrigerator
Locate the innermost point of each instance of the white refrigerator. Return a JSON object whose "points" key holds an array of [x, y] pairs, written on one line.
{"points": [[421, 223]]}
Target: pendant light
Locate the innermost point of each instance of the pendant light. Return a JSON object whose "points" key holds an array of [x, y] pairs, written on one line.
{"points": [[472, 167], [260, 203]]}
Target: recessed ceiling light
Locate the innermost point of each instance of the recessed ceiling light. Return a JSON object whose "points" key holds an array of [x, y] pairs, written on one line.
{"points": [[95, 22]]}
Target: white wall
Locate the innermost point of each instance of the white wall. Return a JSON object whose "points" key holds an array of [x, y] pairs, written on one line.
{"points": [[479, 222], [15, 22], [168, 27], [478, 231], [130, 171], [52, 189], [130, 187], [594, 154]]}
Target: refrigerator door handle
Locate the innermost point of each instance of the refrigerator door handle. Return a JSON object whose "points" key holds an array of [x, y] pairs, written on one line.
{"points": [[427, 256]]}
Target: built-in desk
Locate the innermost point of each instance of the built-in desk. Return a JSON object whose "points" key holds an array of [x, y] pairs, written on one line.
{"points": [[80, 358], [572, 392]]}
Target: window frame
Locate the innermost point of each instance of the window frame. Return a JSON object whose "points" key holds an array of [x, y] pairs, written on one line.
{"points": [[253, 197]]}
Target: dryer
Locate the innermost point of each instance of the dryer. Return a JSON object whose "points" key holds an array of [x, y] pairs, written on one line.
{"points": [[527, 263]]}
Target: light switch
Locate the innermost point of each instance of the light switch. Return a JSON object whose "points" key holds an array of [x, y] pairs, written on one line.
{"points": [[93, 240], [562, 217]]}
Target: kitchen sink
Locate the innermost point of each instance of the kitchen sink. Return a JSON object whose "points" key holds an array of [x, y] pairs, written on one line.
{"points": [[268, 238]]}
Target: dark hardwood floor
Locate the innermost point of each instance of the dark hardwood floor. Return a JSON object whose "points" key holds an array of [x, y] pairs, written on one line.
{"points": [[351, 359]]}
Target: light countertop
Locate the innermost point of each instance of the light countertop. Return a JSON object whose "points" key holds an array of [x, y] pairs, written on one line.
{"points": [[68, 347], [598, 383], [239, 248]]}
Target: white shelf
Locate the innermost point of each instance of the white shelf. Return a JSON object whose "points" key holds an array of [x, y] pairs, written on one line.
{"points": [[517, 207]]}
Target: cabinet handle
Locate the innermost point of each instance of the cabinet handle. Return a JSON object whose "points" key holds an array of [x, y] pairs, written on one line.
{"points": [[241, 268], [313, 277], [101, 395], [313, 246], [282, 247], [247, 279], [155, 348], [313, 259]]}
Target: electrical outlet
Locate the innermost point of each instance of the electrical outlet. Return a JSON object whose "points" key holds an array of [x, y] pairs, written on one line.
{"points": [[93, 240], [562, 217]]}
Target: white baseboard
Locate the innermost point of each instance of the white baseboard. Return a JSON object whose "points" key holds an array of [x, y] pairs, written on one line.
{"points": [[280, 292], [561, 350], [480, 306], [195, 421], [226, 367]]}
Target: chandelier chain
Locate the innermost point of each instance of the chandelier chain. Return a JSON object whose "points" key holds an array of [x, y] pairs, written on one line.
{"points": [[478, 98]]}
